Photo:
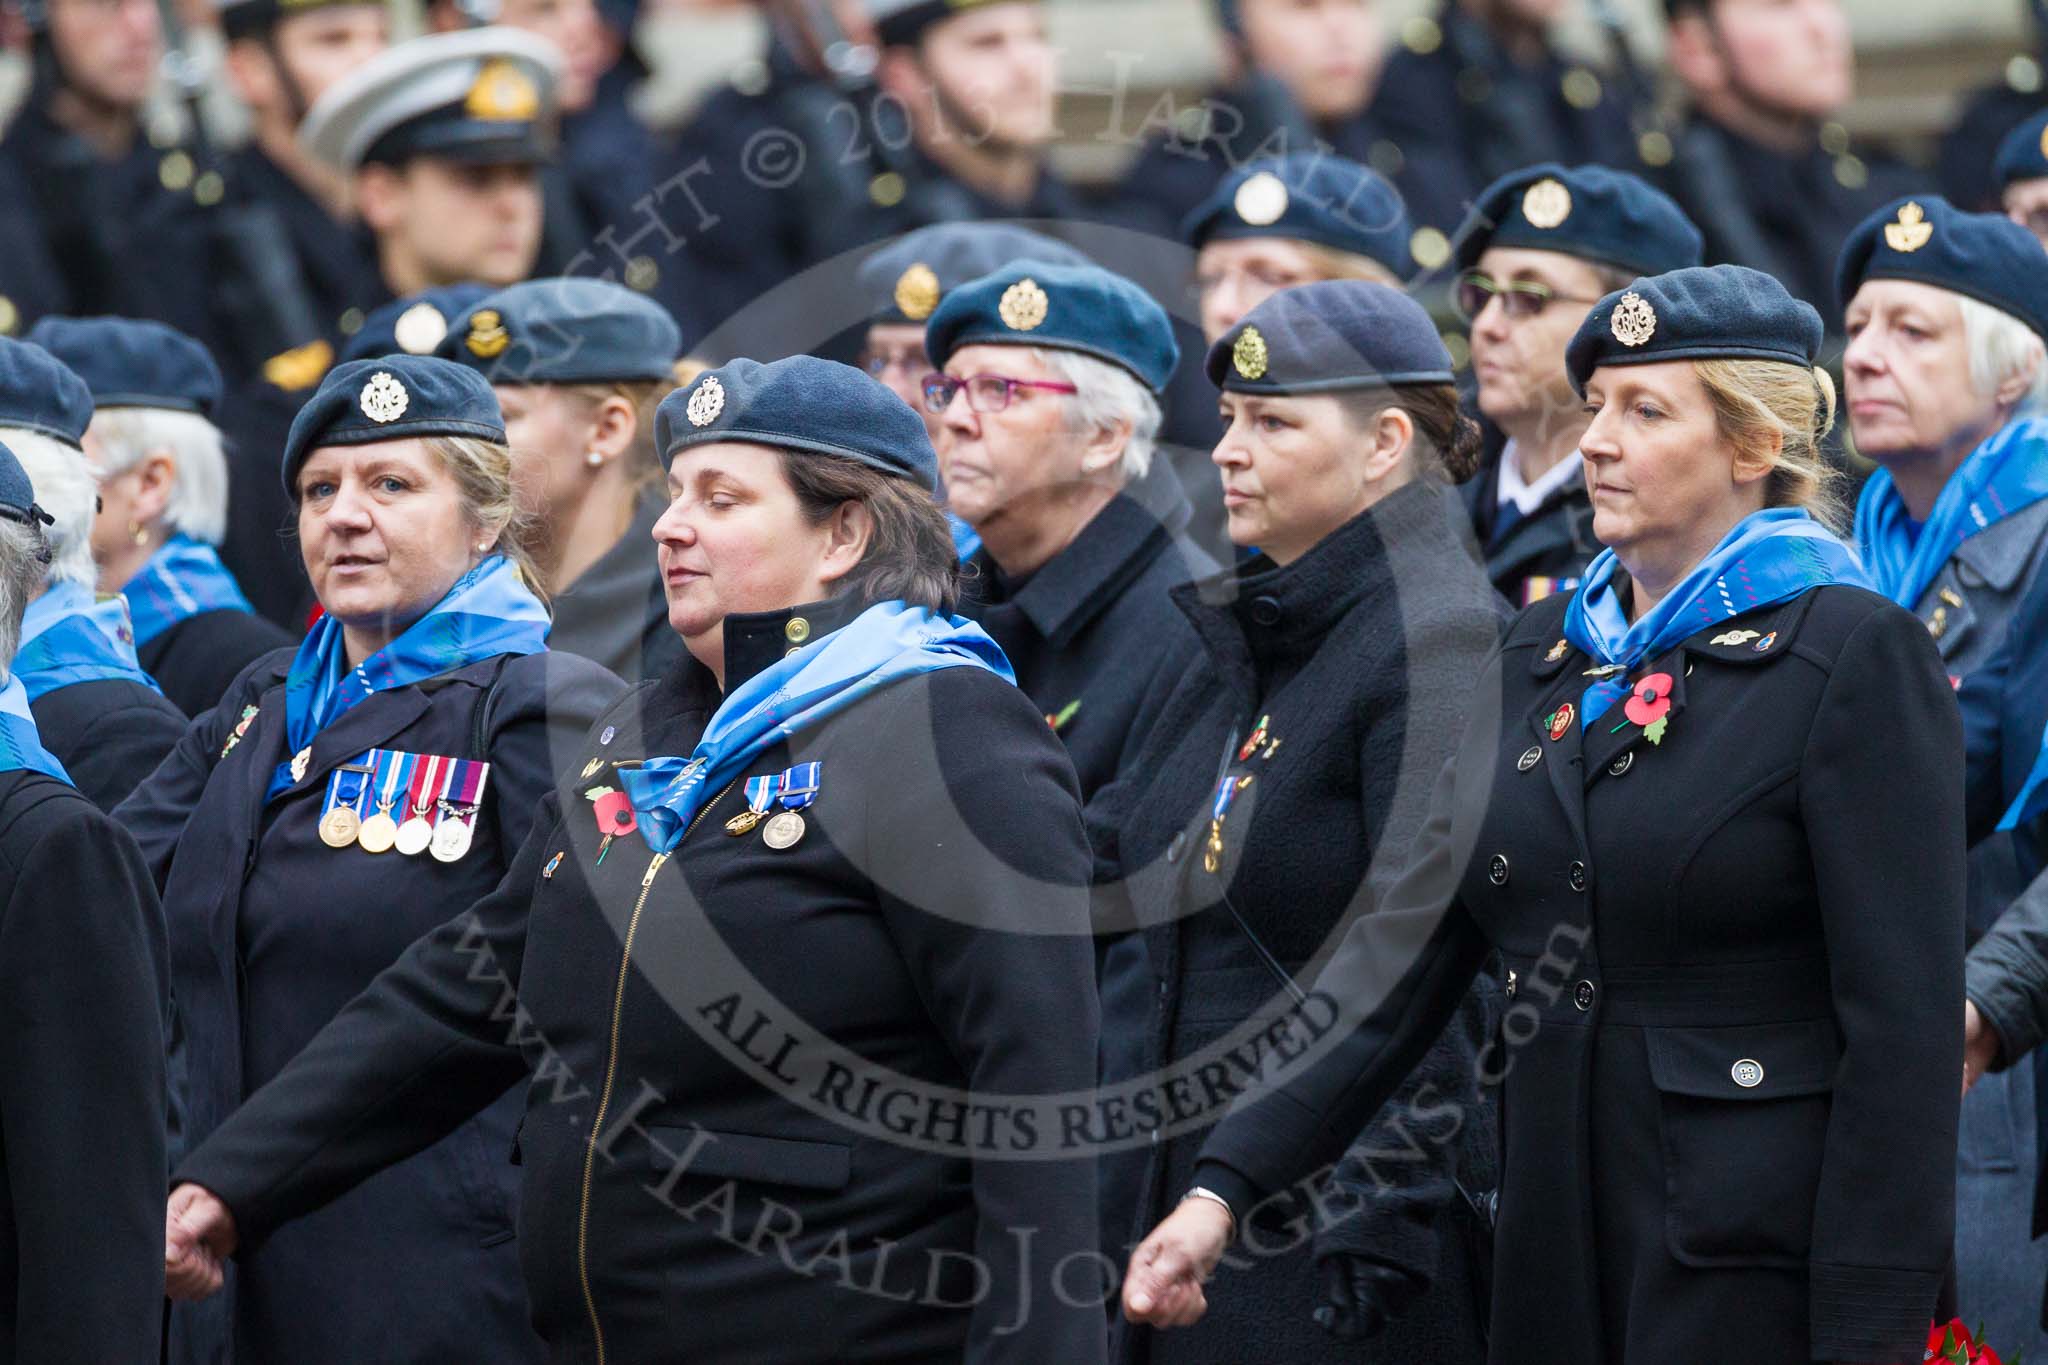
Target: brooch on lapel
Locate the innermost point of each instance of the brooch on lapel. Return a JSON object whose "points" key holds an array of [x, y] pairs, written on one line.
{"points": [[1058, 719], [1733, 637], [241, 728], [1559, 722]]}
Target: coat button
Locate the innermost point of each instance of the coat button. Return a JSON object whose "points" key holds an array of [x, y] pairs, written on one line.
{"points": [[1266, 610], [1179, 846], [1529, 759], [1582, 995], [1748, 1074], [1578, 876], [1511, 983], [797, 631], [1622, 764], [1497, 870]]}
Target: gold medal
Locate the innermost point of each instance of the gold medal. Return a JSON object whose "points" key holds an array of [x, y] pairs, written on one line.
{"points": [[451, 840], [414, 836], [783, 830], [338, 827], [743, 823], [378, 833]]}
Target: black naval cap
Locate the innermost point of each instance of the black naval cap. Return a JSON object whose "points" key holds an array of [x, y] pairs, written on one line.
{"points": [[566, 330], [2023, 154], [1597, 214], [40, 393], [17, 495], [254, 18], [1081, 308], [1927, 240], [1717, 312], [800, 404], [382, 399], [1309, 197], [413, 325], [1327, 337], [131, 363], [900, 23], [483, 95], [905, 281]]}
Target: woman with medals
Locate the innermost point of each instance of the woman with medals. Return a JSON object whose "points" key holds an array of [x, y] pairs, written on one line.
{"points": [[96, 708], [1708, 814], [82, 975], [341, 800], [578, 366], [1286, 766], [799, 946], [162, 474], [1946, 384]]}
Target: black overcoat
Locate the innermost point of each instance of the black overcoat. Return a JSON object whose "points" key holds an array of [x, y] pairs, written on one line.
{"points": [[1730, 1051], [930, 926], [272, 932], [194, 660], [109, 734]]}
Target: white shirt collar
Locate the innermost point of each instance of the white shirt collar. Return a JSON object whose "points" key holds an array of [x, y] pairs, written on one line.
{"points": [[1527, 497]]}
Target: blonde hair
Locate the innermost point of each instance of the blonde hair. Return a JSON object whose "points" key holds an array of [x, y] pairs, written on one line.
{"points": [[482, 471], [1758, 403], [1334, 264]]}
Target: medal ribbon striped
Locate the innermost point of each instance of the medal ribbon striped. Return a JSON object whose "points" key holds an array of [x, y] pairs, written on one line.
{"points": [[799, 786]]}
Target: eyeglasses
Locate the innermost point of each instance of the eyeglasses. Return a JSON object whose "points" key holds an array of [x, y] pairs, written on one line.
{"points": [[985, 392], [880, 363], [1519, 299]]}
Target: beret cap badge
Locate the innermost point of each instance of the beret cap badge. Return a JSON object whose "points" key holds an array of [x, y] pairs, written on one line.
{"points": [[1911, 231], [383, 398], [1262, 200], [1024, 306], [502, 93], [1547, 203], [917, 292], [1634, 321], [2044, 141], [419, 329], [706, 403], [1249, 354], [487, 337]]}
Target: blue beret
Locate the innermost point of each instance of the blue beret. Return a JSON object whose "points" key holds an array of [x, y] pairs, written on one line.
{"points": [[1927, 240], [1597, 214], [1228, 16], [1064, 308], [126, 362], [801, 403], [1338, 334], [392, 396], [1717, 312], [17, 496], [1309, 197], [2023, 154], [566, 331], [413, 325], [39, 392], [905, 281]]}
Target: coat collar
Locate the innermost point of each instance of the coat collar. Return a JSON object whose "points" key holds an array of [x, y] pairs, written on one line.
{"points": [[757, 640], [1998, 555]]}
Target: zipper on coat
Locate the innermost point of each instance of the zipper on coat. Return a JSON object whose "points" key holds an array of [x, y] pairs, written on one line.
{"points": [[611, 1067]]}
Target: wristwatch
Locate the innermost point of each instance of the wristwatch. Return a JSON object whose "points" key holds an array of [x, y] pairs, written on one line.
{"points": [[1198, 1192]]}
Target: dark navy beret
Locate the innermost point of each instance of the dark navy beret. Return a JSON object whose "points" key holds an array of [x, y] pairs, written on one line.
{"points": [[1591, 212], [1717, 312], [801, 403], [39, 392], [903, 22], [1309, 197], [905, 281], [2023, 154], [126, 362], [413, 325], [1337, 334], [566, 331], [388, 397], [17, 496], [1064, 308], [1929, 241]]}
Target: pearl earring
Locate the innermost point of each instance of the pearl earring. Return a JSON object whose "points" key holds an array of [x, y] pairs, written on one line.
{"points": [[593, 459]]}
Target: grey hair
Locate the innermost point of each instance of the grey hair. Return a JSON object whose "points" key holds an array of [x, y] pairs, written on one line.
{"points": [[198, 503], [1105, 395], [65, 489], [24, 555], [2001, 347]]}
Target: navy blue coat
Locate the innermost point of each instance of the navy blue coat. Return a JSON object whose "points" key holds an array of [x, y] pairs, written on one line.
{"points": [[109, 734], [196, 659], [272, 932]]}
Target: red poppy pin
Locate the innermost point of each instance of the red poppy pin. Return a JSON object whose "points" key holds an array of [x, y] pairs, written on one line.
{"points": [[1560, 721], [615, 813], [1650, 706], [1950, 1343]]}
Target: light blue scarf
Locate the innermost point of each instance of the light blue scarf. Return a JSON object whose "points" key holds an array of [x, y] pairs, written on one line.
{"points": [[2004, 475], [886, 643], [490, 611], [1769, 557], [182, 579], [20, 744], [70, 636]]}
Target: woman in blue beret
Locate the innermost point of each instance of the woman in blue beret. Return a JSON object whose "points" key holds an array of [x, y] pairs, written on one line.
{"points": [[1330, 675], [1707, 812], [82, 971], [579, 366], [797, 956], [1946, 383], [342, 799]]}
